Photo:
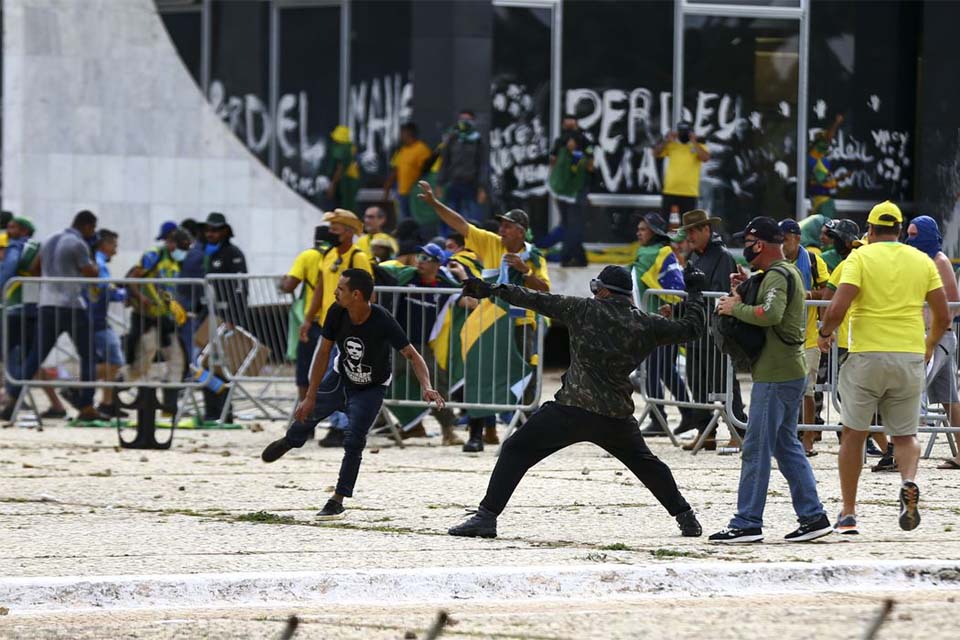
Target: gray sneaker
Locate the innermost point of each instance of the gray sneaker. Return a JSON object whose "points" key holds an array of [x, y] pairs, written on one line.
{"points": [[909, 500], [846, 524]]}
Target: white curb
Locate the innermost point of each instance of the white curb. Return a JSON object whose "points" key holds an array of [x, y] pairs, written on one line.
{"points": [[417, 586]]}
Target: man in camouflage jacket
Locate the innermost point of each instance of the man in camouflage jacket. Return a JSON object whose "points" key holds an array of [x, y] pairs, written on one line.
{"points": [[609, 338]]}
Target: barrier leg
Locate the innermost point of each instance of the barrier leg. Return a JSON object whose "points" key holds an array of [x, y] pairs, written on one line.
{"points": [[711, 427], [393, 424], [146, 437], [662, 419], [952, 441], [930, 442]]}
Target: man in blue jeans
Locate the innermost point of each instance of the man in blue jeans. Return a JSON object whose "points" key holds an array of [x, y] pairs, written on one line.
{"points": [[779, 379], [364, 334]]}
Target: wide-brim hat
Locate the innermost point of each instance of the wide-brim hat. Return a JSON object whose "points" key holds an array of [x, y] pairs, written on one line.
{"points": [[344, 217], [216, 220], [657, 224], [696, 218]]}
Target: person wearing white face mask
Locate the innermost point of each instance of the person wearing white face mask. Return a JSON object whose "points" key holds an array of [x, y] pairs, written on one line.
{"points": [[156, 312]]}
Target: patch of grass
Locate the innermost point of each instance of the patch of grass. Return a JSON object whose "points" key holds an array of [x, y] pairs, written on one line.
{"points": [[948, 528], [673, 553], [616, 546], [101, 474], [266, 517]]}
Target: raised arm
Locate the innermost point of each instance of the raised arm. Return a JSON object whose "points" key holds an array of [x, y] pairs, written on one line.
{"points": [[453, 219]]}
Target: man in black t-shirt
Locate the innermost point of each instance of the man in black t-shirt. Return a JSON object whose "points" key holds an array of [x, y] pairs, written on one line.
{"points": [[365, 335]]}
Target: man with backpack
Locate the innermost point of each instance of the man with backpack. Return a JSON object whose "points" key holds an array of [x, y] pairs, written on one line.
{"points": [[773, 301], [341, 254]]}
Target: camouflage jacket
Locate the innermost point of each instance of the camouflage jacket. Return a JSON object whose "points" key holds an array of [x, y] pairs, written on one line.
{"points": [[608, 340]]}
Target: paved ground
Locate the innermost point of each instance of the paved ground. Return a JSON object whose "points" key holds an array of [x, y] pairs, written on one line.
{"points": [[73, 504]]}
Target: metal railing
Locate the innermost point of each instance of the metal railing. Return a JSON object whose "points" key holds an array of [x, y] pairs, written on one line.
{"points": [[723, 399]]}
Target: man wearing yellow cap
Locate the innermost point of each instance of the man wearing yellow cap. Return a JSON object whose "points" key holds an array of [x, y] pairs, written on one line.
{"points": [[884, 286], [343, 254]]}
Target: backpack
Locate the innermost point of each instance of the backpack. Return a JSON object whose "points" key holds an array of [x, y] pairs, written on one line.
{"points": [[741, 341]]}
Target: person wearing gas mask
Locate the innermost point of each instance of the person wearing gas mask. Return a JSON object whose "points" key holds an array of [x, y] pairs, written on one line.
{"points": [[609, 338], [681, 175], [463, 166], [340, 253]]}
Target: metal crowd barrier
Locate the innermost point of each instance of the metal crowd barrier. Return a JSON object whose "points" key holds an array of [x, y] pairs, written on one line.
{"points": [[484, 357], [724, 404], [73, 321]]}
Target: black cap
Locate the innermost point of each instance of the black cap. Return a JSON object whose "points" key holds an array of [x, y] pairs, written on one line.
{"points": [[616, 279], [516, 216], [763, 228]]}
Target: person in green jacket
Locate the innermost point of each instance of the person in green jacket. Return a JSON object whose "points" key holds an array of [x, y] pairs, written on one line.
{"points": [[655, 267], [342, 170]]}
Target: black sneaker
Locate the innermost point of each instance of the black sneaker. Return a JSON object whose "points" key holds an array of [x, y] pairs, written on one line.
{"points": [[811, 530], [483, 524], [333, 439], [50, 414], [737, 536], [909, 500], [275, 450], [473, 445], [886, 463], [872, 450], [689, 526], [333, 510]]}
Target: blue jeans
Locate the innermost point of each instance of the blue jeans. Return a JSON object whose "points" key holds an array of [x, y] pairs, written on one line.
{"points": [[53, 321], [362, 407], [772, 431]]}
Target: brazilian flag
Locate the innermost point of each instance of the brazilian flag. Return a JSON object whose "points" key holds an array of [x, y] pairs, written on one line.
{"points": [[494, 369]]}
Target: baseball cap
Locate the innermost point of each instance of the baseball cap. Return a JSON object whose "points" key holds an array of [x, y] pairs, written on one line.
{"points": [[516, 216], [763, 228], [885, 214], [435, 252], [166, 229], [790, 226], [24, 222]]}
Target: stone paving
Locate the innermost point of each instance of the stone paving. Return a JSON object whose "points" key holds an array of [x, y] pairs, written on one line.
{"points": [[73, 504]]}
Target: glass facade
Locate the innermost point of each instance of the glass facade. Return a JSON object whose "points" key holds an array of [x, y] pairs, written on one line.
{"points": [[740, 92]]}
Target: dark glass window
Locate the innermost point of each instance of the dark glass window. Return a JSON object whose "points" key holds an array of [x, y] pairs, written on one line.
{"points": [[740, 97], [309, 88], [617, 78], [240, 70], [520, 127], [186, 31], [381, 86], [863, 65]]}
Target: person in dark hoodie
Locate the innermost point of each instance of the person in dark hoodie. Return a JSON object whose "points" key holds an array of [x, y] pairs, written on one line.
{"points": [[463, 166], [223, 257], [706, 373]]}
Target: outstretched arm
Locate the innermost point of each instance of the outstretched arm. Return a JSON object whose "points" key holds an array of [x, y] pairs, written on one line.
{"points": [[453, 219], [565, 308], [688, 327]]}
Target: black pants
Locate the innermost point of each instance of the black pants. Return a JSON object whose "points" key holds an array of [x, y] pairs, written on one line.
{"points": [[555, 426], [707, 374]]}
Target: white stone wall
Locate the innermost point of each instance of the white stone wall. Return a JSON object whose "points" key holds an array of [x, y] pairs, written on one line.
{"points": [[99, 113]]}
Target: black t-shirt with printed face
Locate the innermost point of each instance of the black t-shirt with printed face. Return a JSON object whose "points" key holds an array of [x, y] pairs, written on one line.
{"points": [[365, 349]]}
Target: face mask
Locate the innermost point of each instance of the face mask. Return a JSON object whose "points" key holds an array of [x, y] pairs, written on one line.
{"points": [[683, 137], [325, 235], [750, 253], [178, 254], [211, 249]]}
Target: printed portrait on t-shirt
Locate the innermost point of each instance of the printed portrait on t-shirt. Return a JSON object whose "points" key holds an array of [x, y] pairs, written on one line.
{"points": [[357, 372]]}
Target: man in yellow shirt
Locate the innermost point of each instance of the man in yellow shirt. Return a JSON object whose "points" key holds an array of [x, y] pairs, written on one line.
{"points": [[884, 287], [681, 176], [507, 258], [407, 166], [374, 220], [306, 270], [343, 254]]}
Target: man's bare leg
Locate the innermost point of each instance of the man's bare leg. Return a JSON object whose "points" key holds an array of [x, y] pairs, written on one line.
{"points": [[908, 456], [851, 463]]}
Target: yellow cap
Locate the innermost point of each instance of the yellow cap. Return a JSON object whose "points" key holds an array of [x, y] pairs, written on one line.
{"points": [[885, 214], [341, 134]]}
